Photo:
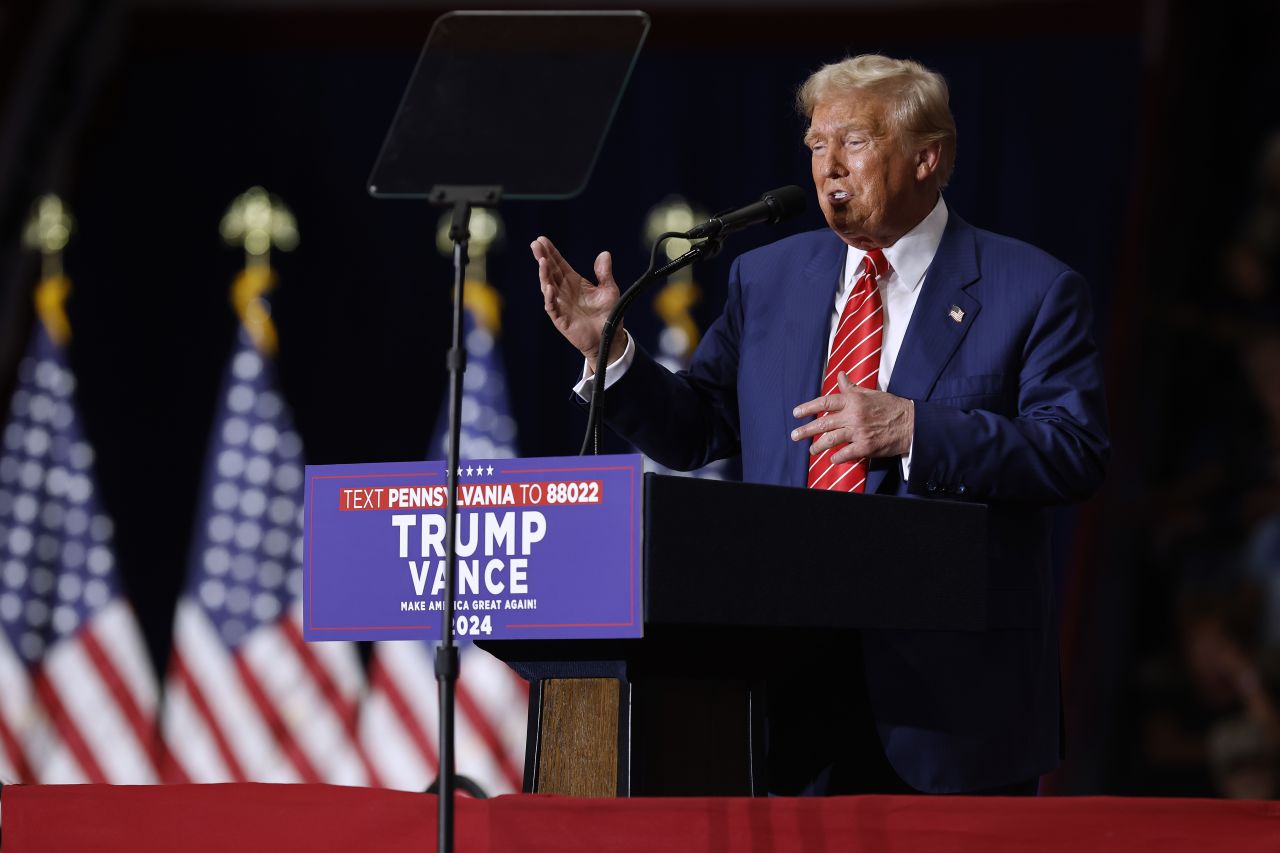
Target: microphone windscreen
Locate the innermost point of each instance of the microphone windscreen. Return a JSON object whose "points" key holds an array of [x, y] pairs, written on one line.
{"points": [[786, 202]]}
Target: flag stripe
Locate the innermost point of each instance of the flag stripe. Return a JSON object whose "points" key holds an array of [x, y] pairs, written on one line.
{"points": [[15, 698], [484, 728], [342, 663], [210, 664], [191, 751], [125, 701], [118, 632], [398, 759], [179, 668], [346, 710], [66, 727], [271, 716], [387, 686], [88, 703], [14, 755], [287, 684], [168, 768]]}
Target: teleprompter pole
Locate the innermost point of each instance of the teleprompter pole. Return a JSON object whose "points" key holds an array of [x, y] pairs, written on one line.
{"points": [[461, 199]]}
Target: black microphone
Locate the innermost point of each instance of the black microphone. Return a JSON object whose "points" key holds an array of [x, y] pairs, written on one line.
{"points": [[773, 206]]}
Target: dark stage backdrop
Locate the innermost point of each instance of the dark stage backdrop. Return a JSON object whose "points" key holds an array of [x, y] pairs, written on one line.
{"points": [[199, 109]]}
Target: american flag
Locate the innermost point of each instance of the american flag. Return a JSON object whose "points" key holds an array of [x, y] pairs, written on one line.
{"points": [[77, 693], [401, 720], [246, 699]]}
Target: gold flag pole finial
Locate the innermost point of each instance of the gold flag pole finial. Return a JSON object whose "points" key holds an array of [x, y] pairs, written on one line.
{"points": [[479, 297], [676, 300], [48, 231], [259, 222]]}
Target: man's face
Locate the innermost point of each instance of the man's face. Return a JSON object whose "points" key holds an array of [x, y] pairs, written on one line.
{"points": [[870, 188]]}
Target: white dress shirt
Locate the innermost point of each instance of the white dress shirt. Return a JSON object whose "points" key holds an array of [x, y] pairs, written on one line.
{"points": [[909, 260]]}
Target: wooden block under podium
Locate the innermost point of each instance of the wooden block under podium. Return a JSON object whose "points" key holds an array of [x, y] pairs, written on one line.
{"points": [[580, 715]]}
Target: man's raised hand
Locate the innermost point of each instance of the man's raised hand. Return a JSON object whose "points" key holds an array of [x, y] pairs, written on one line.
{"points": [[576, 306]]}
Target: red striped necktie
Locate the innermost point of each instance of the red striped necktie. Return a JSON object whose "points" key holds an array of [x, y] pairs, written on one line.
{"points": [[855, 351]]}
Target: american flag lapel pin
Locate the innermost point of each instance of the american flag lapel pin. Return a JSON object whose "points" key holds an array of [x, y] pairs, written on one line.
{"points": [[956, 313]]}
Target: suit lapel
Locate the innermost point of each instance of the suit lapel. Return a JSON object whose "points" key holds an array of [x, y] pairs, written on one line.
{"points": [[806, 345], [943, 314]]}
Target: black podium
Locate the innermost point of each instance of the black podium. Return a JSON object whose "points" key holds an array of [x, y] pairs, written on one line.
{"points": [[731, 595]]}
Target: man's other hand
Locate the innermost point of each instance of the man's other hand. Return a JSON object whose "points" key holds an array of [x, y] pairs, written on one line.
{"points": [[866, 422]]}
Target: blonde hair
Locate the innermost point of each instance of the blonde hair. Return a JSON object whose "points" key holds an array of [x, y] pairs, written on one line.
{"points": [[918, 99]]}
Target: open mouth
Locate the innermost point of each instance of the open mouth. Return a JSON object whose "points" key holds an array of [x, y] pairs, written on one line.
{"points": [[838, 197]]}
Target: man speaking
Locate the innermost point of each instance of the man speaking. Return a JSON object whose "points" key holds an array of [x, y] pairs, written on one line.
{"points": [[902, 352]]}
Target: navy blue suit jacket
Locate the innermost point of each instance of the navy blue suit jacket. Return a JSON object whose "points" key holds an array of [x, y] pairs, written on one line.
{"points": [[1009, 412]]}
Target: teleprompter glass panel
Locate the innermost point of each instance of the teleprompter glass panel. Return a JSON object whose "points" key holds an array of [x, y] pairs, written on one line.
{"points": [[521, 100]]}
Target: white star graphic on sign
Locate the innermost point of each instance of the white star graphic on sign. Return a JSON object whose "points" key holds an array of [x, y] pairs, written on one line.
{"points": [[491, 470], [459, 470], [470, 470]]}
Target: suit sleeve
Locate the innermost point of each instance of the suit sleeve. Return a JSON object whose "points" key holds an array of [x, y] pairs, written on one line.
{"points": [[688, 419], [1054, 449]]}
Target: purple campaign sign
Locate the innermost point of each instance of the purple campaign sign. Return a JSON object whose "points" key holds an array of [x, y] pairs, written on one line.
{"points": [[547, 549]]}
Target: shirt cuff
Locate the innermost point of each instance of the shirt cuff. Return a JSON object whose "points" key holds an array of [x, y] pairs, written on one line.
{"points": [[587, 384], [906, 458]]}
